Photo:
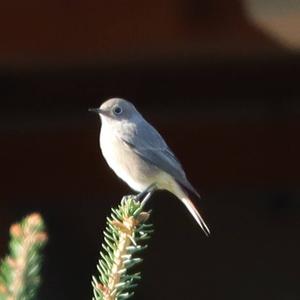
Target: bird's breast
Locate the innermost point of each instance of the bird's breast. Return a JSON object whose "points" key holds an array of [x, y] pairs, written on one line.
{"points": [[128, 165]]}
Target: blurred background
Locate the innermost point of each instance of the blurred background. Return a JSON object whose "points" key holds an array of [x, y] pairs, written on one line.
{"points": [[219, 79]]}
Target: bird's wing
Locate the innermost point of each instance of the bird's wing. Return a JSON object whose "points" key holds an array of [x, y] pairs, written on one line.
{"points": [[150, 146]]}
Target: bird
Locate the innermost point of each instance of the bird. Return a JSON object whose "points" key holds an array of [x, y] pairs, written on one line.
{"points": [[138, 154]]}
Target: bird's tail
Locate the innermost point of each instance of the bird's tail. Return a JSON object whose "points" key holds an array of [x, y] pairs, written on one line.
{"points": [[195, 213]]}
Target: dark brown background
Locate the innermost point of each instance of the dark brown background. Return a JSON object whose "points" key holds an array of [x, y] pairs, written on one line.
{"points": [[223, 92]]}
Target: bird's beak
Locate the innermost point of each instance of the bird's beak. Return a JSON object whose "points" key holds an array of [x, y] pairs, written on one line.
{"points": [[95, 110], [99, 111]]}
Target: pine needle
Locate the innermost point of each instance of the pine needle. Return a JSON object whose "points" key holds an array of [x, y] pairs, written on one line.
{"points": [[124, 238]]}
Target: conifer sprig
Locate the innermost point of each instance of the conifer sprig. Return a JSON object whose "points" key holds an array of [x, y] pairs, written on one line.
{"points": [[124, 239], [19, 271]]}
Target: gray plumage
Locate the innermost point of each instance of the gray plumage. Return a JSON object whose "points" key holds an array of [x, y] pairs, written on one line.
{"points": [[139, 155]]}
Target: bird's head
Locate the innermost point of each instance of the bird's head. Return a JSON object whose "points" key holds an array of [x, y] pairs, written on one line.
{"points": [[116, 109]]}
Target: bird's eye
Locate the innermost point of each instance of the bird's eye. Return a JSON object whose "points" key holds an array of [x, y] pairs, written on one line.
{"points": [[117, 110]]}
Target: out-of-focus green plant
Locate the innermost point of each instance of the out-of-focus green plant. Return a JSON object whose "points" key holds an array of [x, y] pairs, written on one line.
{"points": [[124, 239], [19, 271]]}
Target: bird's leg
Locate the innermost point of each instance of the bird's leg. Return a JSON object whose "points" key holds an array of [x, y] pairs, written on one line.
{"points": [[147, 193], [148, 196]]}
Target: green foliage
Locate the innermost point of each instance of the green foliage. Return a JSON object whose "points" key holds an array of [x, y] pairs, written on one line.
{"points": [[124, 239], [19, 271]]}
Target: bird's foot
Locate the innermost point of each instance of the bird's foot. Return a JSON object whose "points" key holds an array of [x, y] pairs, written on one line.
{"points": [[145, 195]]}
